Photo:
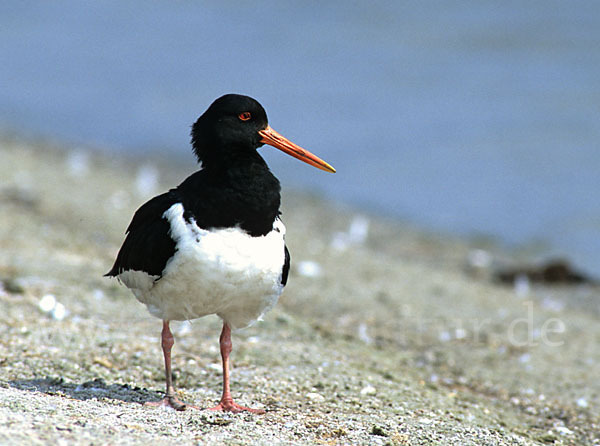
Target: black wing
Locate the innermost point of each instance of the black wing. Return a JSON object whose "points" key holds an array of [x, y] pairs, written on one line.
{"points": [[148, 245], [286, 267]]}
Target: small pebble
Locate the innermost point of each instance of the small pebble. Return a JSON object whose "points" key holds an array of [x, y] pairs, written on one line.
{"points": [[460, 333], [368, 390], [47, 303], [356, 235], [563, 430], [359, 229], [12, 286], [316, 397], [103, 362], [363, 335], [59, 312], [524, 358], [309, 268], [479, 258], [444, 336], [78, 163], [377, 430], [582, 402], [553, 304], [522, 286]]}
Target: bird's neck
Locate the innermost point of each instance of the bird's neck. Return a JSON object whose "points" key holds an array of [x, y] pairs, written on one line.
{"points": [[240, 191], [238, 158]]}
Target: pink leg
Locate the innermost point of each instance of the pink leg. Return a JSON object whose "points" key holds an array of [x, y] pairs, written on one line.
{"points": [[170, 399], [227, 403]]}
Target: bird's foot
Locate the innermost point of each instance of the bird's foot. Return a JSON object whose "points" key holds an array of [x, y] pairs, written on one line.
{"points": [[227, 405], [171, 401]]}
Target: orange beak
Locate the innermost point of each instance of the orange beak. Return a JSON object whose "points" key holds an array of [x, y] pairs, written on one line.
{"points": [[272, 138]]}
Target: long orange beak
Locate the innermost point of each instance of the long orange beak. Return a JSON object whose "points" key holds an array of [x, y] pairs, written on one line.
{"points": [[271, 137]]}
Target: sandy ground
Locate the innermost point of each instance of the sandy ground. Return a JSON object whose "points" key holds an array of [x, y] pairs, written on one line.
{"points": [[383, 336]]}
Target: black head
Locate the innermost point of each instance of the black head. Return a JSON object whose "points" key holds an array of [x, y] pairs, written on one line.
{"points": [[231, 124], [234, 126]]}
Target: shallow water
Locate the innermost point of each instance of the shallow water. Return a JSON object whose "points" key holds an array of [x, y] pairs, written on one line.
{"points": [[467, 117]]}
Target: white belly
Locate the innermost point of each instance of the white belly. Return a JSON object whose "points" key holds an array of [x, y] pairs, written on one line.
{"points": [[225, 272]]}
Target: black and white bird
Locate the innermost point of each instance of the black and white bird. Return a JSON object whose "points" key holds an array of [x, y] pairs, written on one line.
{"points": [[215, 243]]}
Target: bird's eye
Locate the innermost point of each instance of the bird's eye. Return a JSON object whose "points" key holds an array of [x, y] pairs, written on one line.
{"points": [[245, 116]]}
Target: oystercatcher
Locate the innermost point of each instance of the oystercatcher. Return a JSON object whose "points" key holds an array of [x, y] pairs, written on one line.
{"points": [[215, 243]]}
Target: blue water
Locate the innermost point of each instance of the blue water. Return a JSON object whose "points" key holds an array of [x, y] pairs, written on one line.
{"points": [[465, 117]]}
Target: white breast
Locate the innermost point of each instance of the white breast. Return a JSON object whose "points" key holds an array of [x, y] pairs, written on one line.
{"points": [[224, 271]]}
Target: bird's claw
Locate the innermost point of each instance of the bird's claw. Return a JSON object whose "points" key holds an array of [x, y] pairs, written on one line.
{"points": [[171, 401], [228, 405]]}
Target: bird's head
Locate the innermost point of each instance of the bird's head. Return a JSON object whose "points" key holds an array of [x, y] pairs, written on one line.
{"points": [[236, 123]]}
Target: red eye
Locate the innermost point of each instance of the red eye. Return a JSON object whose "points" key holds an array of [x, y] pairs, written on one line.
{"points": [[245, 116]]}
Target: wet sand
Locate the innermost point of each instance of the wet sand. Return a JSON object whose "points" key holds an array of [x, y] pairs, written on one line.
{"points": [[385, 334]]}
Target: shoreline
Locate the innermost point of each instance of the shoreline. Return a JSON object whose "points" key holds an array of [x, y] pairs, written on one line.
{"points": [[385, 334]]}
